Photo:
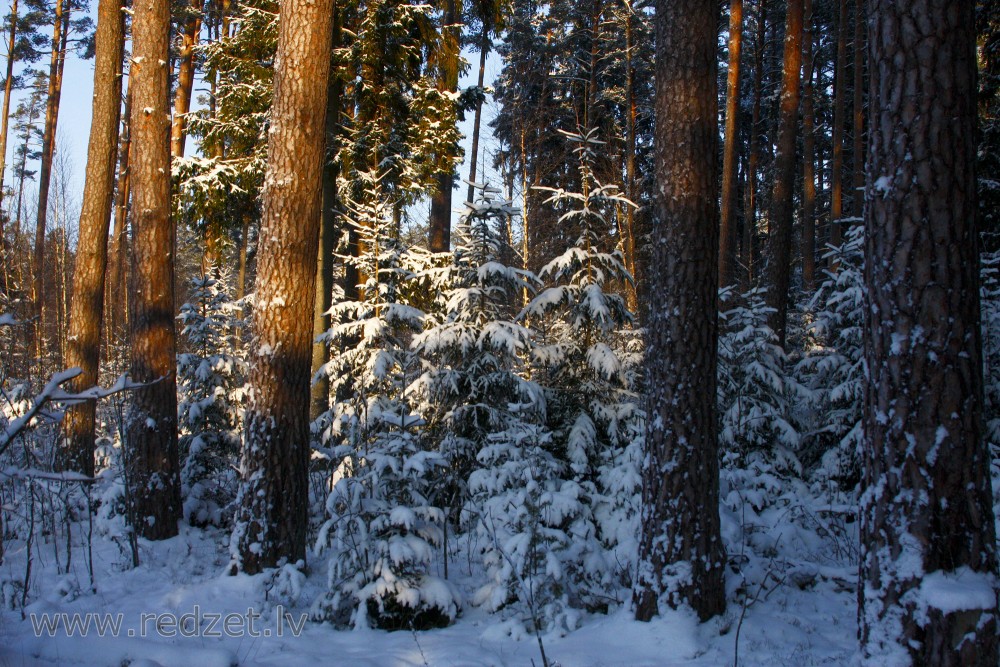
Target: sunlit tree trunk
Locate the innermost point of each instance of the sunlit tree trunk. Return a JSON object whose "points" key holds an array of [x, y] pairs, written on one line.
{"points": [[151, 444], [59, 28], [4, 124], [87, 307], [271, 516], [185, 77]]}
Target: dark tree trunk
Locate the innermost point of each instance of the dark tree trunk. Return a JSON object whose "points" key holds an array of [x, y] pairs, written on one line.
{"points": [[808, 155], [779, 259], [926, 514], [152, 460], [87, 308], [271, 516], [730, 158], [320, 390], [484, 50], [858, 152], [753, 161], [837, 165], [681, 557]]}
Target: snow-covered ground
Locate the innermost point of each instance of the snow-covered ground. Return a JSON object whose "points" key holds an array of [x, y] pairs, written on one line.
{"points": [[785, 625]]}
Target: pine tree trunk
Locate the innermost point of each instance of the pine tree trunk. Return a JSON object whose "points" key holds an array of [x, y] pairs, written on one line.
{"points": [[185, 78], [151, 445], [753, 163], [45, 171], [4, 124], [858, 152], [779, 259], [730, 158], [484, 50], [631, 108], [808, 155], [320, 391], [87, 307], [271, 517], [926, 514], [440, 219], [117, 294], [681, 558], [837, 166]]}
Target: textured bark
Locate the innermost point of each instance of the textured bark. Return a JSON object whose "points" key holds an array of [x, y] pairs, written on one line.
{"points": [[730, 158], [808, 155], [151, 444], [927, 506], [440, 218], [271, 518], [87, 307], [185, 78], [779, 257], [45, 168], [837, 163], [681, 556]]}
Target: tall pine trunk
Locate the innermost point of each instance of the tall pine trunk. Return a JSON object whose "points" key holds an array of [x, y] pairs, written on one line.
{"points": [[117, 294], [59, 29], [808, 154], [477, 123], [681, 558], [320, 391], [837, 165], [440, 219], [858, 152], [271, 516], [185, 78], [779, 257], [927, 525], [730, 157], [87, 306], [5, 121], [749, 257], [151, 435]]}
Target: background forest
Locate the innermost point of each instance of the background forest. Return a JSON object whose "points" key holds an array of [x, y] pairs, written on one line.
{"points": [[415, 396]]}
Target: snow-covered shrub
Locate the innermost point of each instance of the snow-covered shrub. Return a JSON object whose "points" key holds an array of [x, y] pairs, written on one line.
{"points": [[211, 381], [755, 390], [473, 351], [488, 421], [831, 368], [535, 527], [382, 527], [591, 412]]}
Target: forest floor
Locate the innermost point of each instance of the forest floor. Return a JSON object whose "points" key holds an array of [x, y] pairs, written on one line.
{"points": [[802, 615]]}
